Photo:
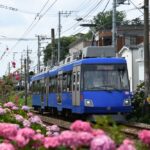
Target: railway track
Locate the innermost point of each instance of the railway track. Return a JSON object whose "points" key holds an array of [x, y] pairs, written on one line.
{"points": [[132, 129], [48, 119], [129, 129]]}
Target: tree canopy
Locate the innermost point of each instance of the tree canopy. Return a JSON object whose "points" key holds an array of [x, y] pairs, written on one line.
{"points": [[104, 20], [64, 49]]}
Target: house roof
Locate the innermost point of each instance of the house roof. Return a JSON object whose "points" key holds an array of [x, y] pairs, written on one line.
{"points": [[129, 48]]}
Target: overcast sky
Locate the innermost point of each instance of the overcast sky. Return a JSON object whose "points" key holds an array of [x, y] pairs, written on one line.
{"points": [[28, 18]]}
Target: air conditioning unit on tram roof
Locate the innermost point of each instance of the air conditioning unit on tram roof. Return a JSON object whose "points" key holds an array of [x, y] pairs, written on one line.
{"points": [[98, 51]]}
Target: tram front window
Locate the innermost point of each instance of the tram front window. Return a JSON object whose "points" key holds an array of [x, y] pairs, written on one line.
{"points": [[105, 77]]}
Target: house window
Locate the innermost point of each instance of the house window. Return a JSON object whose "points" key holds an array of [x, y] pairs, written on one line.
{"points": [[107, 41], [132, 40], [141, 53]]}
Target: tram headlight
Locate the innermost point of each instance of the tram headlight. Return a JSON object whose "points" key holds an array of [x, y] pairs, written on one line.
{"points": [[127, 102], [88, 102]]}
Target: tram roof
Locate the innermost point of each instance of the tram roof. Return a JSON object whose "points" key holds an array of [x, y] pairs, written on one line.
{"points": [[39, 76], [69, 67], [100, 61]]}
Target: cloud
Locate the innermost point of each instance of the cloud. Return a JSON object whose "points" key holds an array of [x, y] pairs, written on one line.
{"points": [[9, 20]]}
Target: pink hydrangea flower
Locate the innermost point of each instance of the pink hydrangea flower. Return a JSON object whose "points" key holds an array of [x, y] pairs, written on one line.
{"points": [[49, 133], [84, 138], [25, 108], [69, 139], [79, 125], [144, 136], [6, 146], [15, 108], [102, 142], [35, 119], [8, 130], [21, 140], [29, 114], [9, 104], [26, 123], [19, 118], [26, 132], [38, 140], [97, 132], [127, 145], [48, 128], [38, 137], [54, 128], [2, 111], [51, 142], [55, 133]]}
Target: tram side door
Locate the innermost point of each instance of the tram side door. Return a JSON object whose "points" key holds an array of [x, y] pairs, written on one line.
{"points": [[76, 86], [42, 87], [59, 87], [47, 90]]}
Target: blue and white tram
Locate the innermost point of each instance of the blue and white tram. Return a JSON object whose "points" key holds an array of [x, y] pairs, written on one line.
{"points": [[86, 86]]}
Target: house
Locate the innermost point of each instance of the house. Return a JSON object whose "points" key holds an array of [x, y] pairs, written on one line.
{"points": [[78, 45], [140, 61], [131, 55]]}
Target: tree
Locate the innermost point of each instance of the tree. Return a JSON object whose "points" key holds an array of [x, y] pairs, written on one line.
{"points": [[104, 20], [136, 21], [65, 42]]}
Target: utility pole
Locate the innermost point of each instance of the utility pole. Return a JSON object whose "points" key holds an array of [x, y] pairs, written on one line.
{"points": [[67, 13], [114, 27], [27, 64], [40, 38], [146, 49], [9, 68], [25, 78], [53, 46], [59, 31], [21, 70], [38, 54]]}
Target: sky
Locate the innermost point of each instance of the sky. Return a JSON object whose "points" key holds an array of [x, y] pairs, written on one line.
{"points": [[29, 18]]}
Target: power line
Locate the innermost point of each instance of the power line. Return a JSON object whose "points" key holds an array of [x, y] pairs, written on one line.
{"points": [[32, 25], [81, 29], [16, 9], [84, 16], [21, 39], [136, 7]]}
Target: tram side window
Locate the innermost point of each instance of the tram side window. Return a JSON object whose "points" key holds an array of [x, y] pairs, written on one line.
{"points": [[41, 89], [55, 84], [69, 76], [32, 87], [38, 87], [52, 84], [45, 85], [58, 84], [78, 81], [74, 80], [64, 82]]}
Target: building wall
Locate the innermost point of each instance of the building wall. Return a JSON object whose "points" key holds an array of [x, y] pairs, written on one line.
{"points": [[128, 56], [79, 46], [135, 69], [131, 55]]}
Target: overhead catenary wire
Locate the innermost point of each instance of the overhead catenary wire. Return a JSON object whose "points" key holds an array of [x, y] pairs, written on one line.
{"points": [[81, 29], [32, 25], [83, 17], [136, 7]]}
